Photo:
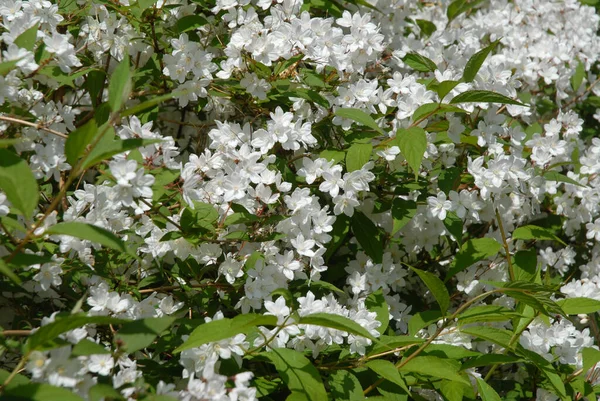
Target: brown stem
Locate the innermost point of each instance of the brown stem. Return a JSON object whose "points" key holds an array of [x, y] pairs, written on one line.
{"points": [[33, 125]]}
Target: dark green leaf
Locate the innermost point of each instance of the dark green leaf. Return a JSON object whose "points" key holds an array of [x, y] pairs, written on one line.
{"points": [[18, 183], [419, 62], [486, 313], [435, 367], [375, 302], [482, 96], [336, 322], [388, 371], [402, 212], [120, 85], [525, 265], [39, 392], [476, 61], [444, 87], [454, 225], [78, 141], [591, 356], [190, 22], [138, 108], [497, 336], [141, 333], [368, 236], [88, 232], [436, 286], [5, 270], [458, 7], [86, 347], [298, 373], [359, 116], [471, 252], [427, 27], [534, 232], [345, 386]]}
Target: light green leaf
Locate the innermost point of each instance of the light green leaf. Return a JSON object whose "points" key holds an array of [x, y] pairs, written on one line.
{"points": [[452, 391], [368, 236], [331, 154], [435, 367], [486, 313], [534, 232], [389, 343], [7, 67], [120, 85], [558, 177], [139, 108], [27, 39], [490, 359], [419, 62], [577, 77], [430, 109], [108, 147], [202, 216], [482, 96], [18, 183], [576, 306], [88, 232], [444, 87], [375, 302], [336, 322], [298, 373], [413, 144], [437, 288], [345, 386], [471, 252], [141, 333], [78, 141], [388, 371], [497, 336], [39, 392], [476, 61], [222, 329], [486, 391], [358, 155], [359, 116], [591, 356]]}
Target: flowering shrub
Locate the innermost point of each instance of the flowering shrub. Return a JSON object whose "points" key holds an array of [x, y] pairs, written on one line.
{"points": [[301, 200]]}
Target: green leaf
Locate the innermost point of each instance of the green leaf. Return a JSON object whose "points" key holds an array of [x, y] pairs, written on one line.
{"points": [[538, 301], [222, 329], [388, 371], [39, 392], [190, 22], [18, 380], [486, 391], [430, 109], [359, 116], [138, 108], [389, 343], [298, 373], [18, 183], [547, 370], [341, 228], [102, 392], [497, 336], [444, 87], [490, 359], [419, 63], [88, 232], [337, 322], [61, 325], [447, 351], [435, 367], [402, 212], [486, 313], [358, 155], [7, 67], [423, 319], [427, 27], [471, 252], [120, 85], [436, 286], [454, 225], [7, 271], [525, 265], [202, 215], [78, 141], [577, 77], [591, 356], [476, 61], [27, 39], [368, 236], [108, 147], [558, 177], [308, 94], [345, 386], [141, 333], [458, 7], [86, 347], [331, 154], [375, 302], [482, 96], [63, 78], [534, 232], [413, 144], [577, 306]]}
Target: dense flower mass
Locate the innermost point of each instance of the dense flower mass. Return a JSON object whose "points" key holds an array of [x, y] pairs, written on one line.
{"points": [[299, 199]]}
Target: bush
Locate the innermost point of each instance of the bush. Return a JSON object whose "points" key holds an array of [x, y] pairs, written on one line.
{"points": [[301, 200]]}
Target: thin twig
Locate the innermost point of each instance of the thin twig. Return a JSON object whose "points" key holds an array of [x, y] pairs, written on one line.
{"points": [[33, 125]]}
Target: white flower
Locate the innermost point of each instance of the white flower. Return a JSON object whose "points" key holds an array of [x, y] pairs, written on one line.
{"points": [[439, 206], [101, 364]]}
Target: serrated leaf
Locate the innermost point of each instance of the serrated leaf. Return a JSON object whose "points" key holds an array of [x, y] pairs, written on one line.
{"points": [[358, 155], [388, 371], [577, 306], [471, 252], [222, 329], [413, 144], [78, 140], [119, 86], [88, 232], [141, 333], [368, 236], [530, 232], [359, 116], [486, 391], [337, 322], [18, 183], [298, 373], [486, 313], [27, 39], [419, 62], [435, 367], [436, 286], [483, 96], [476, 61]]}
